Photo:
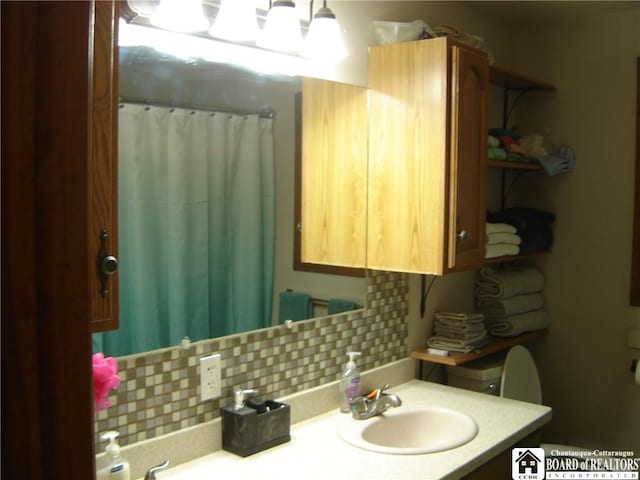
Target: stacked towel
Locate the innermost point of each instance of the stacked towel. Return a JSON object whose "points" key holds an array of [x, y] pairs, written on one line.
{"points": [[503, 144], [511, 300], [532, 225], [495, 308], [502, 240], [459, 332]]}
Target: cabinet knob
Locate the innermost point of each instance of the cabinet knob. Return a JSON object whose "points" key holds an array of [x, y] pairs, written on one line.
{"points": [[461, 235], [107, 264]]}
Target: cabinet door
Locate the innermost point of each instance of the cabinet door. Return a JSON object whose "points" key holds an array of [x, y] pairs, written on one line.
{"points": [[334, 173], [103, 164], [409, 129], [468, 159]]}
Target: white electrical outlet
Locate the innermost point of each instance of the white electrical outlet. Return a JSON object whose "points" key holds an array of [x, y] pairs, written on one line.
{"points": [[210, 377]]}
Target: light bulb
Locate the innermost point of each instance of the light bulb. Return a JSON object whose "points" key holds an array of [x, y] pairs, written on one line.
{"points": [[180, 16], [236, 21], [282, 28], [324, 40]]}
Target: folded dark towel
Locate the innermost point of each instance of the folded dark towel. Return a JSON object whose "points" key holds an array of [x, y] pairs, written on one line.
{"points": [[532, 225], [294, 306]]}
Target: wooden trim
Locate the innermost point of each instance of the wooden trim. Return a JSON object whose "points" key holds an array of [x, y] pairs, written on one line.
{"points": [[47, 423], [635, 255], [103, 165], [514, 165], [62, 213], [298, 264], [21, 429], [496, 345], [514, 258]]}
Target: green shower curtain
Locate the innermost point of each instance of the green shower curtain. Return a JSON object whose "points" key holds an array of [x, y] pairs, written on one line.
{"points": [[196, 221]]}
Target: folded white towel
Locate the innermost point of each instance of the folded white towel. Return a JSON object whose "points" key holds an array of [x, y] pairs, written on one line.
{"points": [[448, 325], [455, 345], [501, 250], [502, 237], [521, 323], [497, 308], [509, 282], [459, 317], [500, 228], [467, 337]]}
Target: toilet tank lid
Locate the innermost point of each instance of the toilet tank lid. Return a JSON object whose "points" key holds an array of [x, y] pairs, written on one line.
{"points": [[483, 369]]}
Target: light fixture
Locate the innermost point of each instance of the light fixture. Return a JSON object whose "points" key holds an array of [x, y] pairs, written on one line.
{"points": [[180, 16], [324, 40], [236, 21], [281, 29], [196, 48]]}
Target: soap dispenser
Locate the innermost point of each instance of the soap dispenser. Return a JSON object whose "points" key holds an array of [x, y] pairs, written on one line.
{"points": [[349, 383], [114, 466]]}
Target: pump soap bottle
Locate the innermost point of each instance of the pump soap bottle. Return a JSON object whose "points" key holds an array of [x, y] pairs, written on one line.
{"points": [[349, 383], [114, 467]]}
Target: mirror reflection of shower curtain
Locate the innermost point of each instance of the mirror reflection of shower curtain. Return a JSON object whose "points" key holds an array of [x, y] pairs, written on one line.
{"points": [[196, 221]]}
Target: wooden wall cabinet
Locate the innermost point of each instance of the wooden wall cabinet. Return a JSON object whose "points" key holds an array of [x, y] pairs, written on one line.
{"points": [[102, 167], [427, 157], [334, 166]]}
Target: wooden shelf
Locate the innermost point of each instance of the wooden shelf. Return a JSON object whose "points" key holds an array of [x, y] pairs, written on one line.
{"points": [[507, 79], [496, 345], [513, 258], [514, 165]]}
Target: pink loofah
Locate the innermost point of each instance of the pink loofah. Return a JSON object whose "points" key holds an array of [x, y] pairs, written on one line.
{"points": [[105, 378]]}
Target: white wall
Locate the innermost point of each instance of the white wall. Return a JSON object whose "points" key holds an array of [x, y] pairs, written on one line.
{"points": [[584, 362]]}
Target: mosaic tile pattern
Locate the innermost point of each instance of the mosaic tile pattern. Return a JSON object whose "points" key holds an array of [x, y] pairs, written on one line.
{"points": [[160, 390]]}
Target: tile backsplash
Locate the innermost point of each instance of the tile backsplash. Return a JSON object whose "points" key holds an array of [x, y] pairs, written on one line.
{"points": [[160, 390]]}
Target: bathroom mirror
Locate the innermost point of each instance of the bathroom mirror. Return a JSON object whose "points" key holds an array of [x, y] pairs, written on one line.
{"points": [[151, 82]]}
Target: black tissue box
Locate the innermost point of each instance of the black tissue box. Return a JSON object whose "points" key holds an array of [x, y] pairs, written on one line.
{"points": [[245, 431]]}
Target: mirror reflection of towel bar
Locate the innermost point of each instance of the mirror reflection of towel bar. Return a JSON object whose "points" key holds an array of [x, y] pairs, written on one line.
{"points": [[315, 301]]}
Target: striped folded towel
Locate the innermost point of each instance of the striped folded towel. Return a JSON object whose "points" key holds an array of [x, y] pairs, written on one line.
{"points": [[497, 308], [509, 282], [455, 318], [521, 323], [457, 345]]}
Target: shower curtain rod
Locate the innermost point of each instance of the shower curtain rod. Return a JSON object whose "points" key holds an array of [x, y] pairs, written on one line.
{"points": [[266, 112]]}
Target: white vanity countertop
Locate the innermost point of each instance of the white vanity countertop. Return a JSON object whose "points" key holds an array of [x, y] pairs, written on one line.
{"points": [[316, 451]]}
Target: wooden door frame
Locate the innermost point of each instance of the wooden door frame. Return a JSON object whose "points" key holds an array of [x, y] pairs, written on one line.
{"points": [[634, 290], [47, 418]]}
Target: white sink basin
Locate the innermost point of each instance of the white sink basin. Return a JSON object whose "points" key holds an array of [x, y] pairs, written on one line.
{"points": [[410, 430]]}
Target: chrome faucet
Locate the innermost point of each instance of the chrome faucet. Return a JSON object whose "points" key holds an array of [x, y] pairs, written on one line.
{"points": [[151, 473], [375, 403]]}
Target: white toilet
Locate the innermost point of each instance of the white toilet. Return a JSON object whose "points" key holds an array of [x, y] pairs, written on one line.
{"points": [[520, 381], [514, 376]]}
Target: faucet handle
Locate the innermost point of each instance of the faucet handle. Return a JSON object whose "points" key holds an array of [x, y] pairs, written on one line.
{"points": [[375, 394], [240, 395], [151, 473]]}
